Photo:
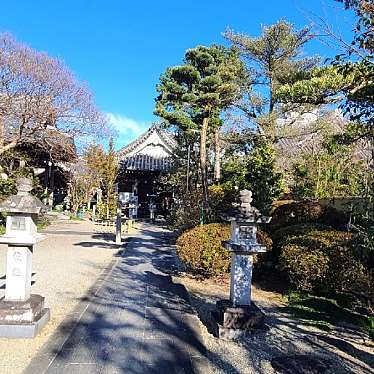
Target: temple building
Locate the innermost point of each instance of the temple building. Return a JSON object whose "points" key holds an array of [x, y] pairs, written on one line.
{"points": [[141, 163]]}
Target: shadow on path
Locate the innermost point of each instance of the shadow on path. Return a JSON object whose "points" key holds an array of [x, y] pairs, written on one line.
{"points": [[137, 321]]}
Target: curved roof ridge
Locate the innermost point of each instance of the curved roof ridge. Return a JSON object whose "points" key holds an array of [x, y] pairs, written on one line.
{"points": [[166, 136]]}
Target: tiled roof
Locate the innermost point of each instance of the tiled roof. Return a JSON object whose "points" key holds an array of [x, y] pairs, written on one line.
{"points": [[133, 156], [146, 163], [165, 136]]}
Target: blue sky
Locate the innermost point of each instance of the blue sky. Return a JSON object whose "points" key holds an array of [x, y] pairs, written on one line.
{"points": [[120, 48]]}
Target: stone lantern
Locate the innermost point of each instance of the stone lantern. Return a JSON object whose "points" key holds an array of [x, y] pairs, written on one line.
{"points": [[133, 207], [152, 207], [239, 315], [22, 314]]}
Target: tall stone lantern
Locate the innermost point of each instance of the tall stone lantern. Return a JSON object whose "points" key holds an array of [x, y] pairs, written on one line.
{"points": [[22, 314], [152, 207], [239, 316]]}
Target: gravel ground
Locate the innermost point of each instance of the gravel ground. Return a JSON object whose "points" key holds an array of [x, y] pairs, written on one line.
{"points": [[65, 265], [345, 349]]}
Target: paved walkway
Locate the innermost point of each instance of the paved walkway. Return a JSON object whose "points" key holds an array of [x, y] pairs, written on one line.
{"points": [[136, 321], [64, 266]]}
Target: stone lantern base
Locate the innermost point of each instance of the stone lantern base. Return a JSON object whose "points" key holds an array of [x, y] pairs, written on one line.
{"points": [[23, 319], [236, 322]]}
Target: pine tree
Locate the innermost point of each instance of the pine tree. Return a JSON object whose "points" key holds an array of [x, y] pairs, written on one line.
{"points": [[272, 59], [192, 96]]}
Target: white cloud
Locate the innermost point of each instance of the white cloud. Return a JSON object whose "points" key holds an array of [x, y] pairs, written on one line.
{"points": [[127, 129]]}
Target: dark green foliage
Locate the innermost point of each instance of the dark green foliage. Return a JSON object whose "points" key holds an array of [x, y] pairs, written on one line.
{"points": [[273, 58], [346, 80], [326, 262], [7, 187], [262, 178], [234, 173], [296, 212], [307, 211], [192, 96], [256, 172], [334, 218], [201, 250], [283, 234]]}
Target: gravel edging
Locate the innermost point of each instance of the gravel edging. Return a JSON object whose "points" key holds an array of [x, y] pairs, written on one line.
{"points": [[287, 339]]}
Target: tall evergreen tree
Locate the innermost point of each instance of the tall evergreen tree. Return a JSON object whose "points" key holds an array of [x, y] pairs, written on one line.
{"points": [[192, 95], [273, 58], [346, 81]]}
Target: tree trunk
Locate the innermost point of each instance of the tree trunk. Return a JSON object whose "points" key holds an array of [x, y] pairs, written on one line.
{"points": [[203, 163], [217, 149], [107, 205], [271, 90], [188, 168], [2, 133]]}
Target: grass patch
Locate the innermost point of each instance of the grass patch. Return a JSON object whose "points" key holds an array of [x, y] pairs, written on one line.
{"points": [[323, 313], [74, 218]]}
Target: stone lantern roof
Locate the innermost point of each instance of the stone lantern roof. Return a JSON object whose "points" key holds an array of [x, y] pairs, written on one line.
{"points": [[23, 202], [246, 213]]}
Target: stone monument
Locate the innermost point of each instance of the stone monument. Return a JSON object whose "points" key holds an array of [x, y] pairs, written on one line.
{"points": [[119, 223], [22, 314], [239, 316]]}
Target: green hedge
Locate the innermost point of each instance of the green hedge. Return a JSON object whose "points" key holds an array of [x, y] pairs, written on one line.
{"points": [[325, 262], [283, 234], [307, 212], [201, 250]]}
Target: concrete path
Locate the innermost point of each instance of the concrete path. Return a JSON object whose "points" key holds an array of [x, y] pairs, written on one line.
{"points": [[64, 266], [136, 321]]}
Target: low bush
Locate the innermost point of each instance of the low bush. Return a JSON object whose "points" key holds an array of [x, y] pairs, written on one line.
{"points": [[296, 212], [42, 222], [307, 212], [285, 233], [325, 262], [335, 218], [201, 250]]}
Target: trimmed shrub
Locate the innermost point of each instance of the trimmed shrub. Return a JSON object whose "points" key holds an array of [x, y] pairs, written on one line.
{"points": [[296, 212], [283, 234], [304, 268], [335, 218], [201, 250], [323, 261], [307, 212]]}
